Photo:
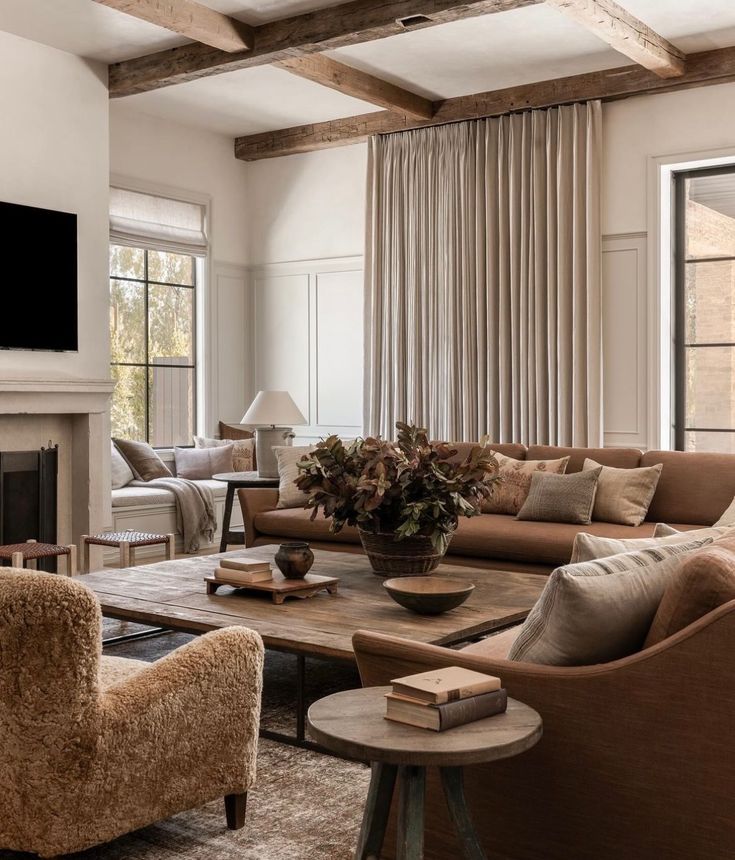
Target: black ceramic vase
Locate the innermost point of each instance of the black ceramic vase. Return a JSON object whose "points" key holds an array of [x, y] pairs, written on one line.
{"points": [[294, 559]]}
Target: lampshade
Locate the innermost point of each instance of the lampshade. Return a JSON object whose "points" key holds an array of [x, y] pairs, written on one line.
{"points": [[273, 407]]}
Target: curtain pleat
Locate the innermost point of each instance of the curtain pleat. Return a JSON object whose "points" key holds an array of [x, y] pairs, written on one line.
{"points": [[482, 306]]}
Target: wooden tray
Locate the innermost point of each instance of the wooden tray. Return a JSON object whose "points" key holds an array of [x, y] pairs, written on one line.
{"points": [[279, 587]]}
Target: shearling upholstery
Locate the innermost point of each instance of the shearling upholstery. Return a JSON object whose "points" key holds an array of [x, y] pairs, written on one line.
{"points": [[90, 750]]}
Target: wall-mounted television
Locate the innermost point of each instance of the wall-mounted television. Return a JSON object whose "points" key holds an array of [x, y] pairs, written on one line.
{"points": [[38, 262]]}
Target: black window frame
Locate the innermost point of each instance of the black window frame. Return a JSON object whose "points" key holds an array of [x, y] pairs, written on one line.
{"points": [[147, 282], [679, 305]]}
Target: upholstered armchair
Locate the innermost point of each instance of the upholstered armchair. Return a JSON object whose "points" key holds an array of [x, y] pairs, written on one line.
{"points": [[93, 747]]}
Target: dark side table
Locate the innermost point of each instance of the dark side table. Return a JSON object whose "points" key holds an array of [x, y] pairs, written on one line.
{"points": [[236, 481], [353, 724]]}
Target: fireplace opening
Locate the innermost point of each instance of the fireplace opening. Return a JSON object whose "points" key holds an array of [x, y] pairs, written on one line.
{"points": [[28, 498]]}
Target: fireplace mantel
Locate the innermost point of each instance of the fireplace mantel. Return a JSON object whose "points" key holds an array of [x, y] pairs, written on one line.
{"points": [[55, 396]]}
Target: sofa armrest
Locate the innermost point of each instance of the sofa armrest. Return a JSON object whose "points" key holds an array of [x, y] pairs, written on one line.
{"points": [[253, 502]]}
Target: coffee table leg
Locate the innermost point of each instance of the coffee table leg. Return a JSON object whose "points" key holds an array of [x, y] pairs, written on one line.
{"points": [[453, 785], [410, 842], [377, 809], [226, 517]]}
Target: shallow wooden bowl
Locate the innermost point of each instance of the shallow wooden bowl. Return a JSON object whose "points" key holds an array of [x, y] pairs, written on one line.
{"points": [[428, 595]]}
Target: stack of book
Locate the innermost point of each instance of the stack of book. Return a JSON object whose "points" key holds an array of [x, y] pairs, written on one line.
{"points": [[445, 698], [243, 570]]}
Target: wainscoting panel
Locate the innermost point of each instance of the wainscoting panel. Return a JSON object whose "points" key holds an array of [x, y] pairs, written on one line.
{"points": [[308, 340], [624, 340]]}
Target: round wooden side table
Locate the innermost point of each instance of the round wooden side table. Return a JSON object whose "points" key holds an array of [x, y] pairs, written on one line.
{"points": [[353, 724], [236, 481]]}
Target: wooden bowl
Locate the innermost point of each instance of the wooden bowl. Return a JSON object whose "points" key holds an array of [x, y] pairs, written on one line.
{"points": [[428, 595]]}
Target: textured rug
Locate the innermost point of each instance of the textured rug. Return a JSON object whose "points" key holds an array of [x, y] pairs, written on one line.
{"points": [[304, 805]]}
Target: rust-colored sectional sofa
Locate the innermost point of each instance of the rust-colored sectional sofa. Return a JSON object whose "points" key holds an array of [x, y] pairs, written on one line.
{"points": [[694, 490]]}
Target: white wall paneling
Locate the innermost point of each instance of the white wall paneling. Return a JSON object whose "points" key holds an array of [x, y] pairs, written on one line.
{"points": [[308, 323], [624, 319]]}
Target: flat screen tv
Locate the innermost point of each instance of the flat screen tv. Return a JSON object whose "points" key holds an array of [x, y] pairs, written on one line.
{"points": [[39, 277]]}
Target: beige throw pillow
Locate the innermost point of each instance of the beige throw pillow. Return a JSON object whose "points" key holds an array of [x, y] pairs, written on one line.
{"points": [[511, 491], [142, 459], [624, 495], [561, 498], [198, 464], [243, 451], [289, 495], [728, 518], [588, 547], [598, 611], [120, 473]]}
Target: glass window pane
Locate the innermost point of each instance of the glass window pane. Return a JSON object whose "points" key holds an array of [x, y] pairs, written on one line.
{"points": [[711, 216], [128, 402], [171, 406], [720, 443], [710, 302], [127, 321], [170, 268], [127, 262], [170, 325], [710, 388]]}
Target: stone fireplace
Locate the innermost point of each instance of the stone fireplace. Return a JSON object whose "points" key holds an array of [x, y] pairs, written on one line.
{"points": [[73, 414]]}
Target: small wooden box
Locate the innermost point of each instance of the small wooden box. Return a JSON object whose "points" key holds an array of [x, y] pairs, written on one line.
{"points": [[279, 587]]}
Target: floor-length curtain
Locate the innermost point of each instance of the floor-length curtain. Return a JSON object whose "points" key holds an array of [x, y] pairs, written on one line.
{"points": [[483, 279]]}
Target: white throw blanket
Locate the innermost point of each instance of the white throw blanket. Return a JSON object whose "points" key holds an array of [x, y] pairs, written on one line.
{"points": [[195, 513]]}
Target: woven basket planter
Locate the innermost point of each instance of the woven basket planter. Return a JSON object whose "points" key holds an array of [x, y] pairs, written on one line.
{"points": [[412, 556]]}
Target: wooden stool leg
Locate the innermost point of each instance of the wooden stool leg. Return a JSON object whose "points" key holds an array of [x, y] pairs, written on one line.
{"points": [[171, 547], [71, 561], [132, 556], [85, 553], [410, 839], [124, 553], [32, 563], [452, 783], [16, 559], [377, 809], [235, 805]]}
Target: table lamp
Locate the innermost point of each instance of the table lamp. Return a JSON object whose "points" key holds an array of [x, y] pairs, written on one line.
{"points": [[273, 413]]}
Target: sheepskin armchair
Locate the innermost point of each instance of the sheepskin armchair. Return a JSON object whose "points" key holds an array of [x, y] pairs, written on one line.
{"points": [[94, 747]]}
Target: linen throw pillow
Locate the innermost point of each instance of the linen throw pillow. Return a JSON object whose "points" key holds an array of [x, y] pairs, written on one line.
{"points": [[623, 495], [598, 611], [120, 473], [705, 581], [728, 518], [561, 498], [511, 491], [243, 451], [142, 459], [198, 464], [289, 495], [588, 547]]}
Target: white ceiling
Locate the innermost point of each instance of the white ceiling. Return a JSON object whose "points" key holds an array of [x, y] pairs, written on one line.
{"points": [[491, 52]]}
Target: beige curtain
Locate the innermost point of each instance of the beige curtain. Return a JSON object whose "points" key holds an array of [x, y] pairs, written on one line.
{"points": [[483, 279]]}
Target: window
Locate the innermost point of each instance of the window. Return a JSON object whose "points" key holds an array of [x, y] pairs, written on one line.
{"points": [[704, 337], [152, 342]]}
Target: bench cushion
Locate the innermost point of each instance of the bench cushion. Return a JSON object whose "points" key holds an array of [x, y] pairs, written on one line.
{"points": [[138, 493]]}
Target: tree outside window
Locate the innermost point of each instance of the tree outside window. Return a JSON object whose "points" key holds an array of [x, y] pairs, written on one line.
{"points": [[152, 343]]}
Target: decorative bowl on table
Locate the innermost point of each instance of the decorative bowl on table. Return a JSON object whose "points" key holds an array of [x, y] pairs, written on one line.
{"points": [[428, 595]]}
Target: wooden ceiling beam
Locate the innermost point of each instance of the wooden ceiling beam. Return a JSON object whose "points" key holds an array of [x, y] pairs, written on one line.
{"points": [[352, 82], [703, 69], [350, 23], [190, 19], [626, 34]]}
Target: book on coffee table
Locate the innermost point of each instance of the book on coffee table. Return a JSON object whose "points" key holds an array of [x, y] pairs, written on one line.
{"points": [[412, 712], [445, 685], [231, 575], [249, 565]]}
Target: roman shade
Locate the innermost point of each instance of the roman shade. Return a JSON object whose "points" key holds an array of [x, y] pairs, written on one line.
{"points": [[157, 223]]}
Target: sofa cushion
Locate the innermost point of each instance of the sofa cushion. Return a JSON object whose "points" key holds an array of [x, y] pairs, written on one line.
{"points": [[620, 458], [507, 449], [705, 581], [598, 611], [495, 647], [510, 493], [137, 493], [624, 495], [561, 498], [297, 523], [693, 488]]}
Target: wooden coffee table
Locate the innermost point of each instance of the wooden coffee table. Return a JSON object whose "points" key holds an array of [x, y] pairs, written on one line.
{"points": [[172, 594]]}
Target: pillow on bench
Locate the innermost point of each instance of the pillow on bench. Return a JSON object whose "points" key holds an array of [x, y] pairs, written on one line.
{"points": [[199, 464], [142, 459]]}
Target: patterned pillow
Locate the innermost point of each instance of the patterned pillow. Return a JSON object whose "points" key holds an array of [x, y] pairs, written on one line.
{"points": [[588, 547], [511, 492], [243, 452]]}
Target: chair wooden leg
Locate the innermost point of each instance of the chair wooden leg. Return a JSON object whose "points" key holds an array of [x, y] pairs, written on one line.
{"points": [[235, 810]]}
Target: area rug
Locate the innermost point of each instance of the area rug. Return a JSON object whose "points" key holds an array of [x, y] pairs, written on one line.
{"points": [[304, 806]]}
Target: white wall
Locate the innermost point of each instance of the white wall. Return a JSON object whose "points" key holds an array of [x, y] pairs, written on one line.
{"points": [[54, 154], [160, 154]]}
